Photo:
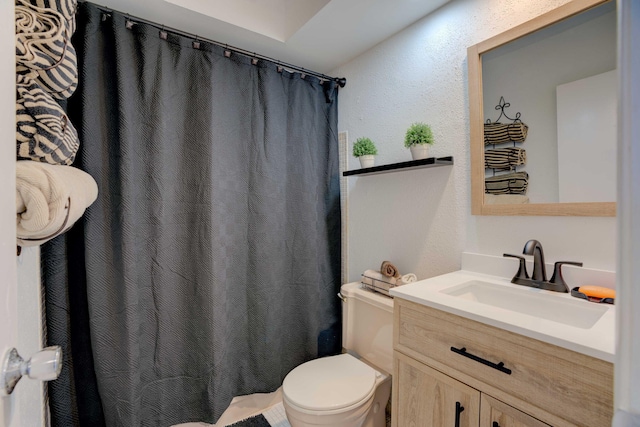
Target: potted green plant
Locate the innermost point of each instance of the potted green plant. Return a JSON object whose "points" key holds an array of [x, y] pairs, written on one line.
{"points": [[418, 138], [365, 150]]}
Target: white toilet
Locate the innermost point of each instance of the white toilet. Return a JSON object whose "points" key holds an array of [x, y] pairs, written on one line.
{"points": [[347, 390]]}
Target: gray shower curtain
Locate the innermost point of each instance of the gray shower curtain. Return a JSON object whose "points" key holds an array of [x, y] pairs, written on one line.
{"points": [[209, 265]]}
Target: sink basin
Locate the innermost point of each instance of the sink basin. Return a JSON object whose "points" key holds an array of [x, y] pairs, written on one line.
{"points": [[557, 308]]}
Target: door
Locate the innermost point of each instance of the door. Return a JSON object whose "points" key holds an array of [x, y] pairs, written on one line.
{"points": [[494, 413], [429, 398], [8, 275], [627, 364]]}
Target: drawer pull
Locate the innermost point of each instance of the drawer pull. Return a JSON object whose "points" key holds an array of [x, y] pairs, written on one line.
{"points": [[499, 366], [459, 409], [495, 424]]}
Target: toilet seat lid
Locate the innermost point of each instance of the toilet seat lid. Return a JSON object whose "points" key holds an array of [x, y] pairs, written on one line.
{"points": [[329, 383]]}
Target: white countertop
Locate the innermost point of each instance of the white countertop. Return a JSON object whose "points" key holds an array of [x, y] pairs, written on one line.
{"points": [[597, 341]]}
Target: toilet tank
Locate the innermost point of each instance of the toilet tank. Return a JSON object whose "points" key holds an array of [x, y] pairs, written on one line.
{"points": [[367, 325]]}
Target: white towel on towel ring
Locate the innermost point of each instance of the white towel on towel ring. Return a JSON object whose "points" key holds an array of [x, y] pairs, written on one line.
{"points": [[49, 200]]}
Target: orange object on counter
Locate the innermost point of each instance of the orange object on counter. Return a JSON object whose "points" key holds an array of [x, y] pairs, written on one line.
{"points": [[595, 294]]}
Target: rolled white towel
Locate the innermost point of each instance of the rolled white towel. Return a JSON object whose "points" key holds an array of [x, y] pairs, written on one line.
{"points": [[49, 200], [406, 278]]}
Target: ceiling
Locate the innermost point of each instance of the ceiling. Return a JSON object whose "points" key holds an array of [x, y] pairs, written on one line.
{"points": [[318, 35], [278, 19]]}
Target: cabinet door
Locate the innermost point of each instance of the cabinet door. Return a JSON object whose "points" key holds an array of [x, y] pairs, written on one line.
{"points": [[424, 397], [494, 413]]}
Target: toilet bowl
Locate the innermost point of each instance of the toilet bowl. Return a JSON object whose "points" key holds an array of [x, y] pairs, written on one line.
{"points": [[336, 391], [347, 390]]}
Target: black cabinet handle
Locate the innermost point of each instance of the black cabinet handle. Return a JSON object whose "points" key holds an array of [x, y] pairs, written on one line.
{"points": [[499, 366], [459, 409], [495, 424]]}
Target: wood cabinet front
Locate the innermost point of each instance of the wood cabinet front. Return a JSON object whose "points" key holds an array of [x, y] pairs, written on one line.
{"points": [[523, 381], [494, 413], [570, 388], [426, 397]]}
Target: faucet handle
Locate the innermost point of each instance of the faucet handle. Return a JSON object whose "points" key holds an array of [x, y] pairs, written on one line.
{"points": [[522, 269], [557, 278]]}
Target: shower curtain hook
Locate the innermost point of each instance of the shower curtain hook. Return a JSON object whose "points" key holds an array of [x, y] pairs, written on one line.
{"points": [[227, 52], [163, 34], [106, 12], [196, 43], [254, 60], [129, 23]]}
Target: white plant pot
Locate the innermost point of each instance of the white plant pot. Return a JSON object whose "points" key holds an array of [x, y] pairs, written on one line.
{"points": [[367, 161], [420, 151]]}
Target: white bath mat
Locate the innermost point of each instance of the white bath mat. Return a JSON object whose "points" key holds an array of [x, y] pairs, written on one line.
{"points": [[276, 416], [243, 408]]}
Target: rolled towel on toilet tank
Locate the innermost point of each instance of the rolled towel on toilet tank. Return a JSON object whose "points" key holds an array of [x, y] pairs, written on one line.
{"points": [[376, 281], [389, 269], [406, 278], [373, 275]]}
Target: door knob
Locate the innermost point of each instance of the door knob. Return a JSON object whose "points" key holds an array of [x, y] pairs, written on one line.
{"points": [[45, 365]]}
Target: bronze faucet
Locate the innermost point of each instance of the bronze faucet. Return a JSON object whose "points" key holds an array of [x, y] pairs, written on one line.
{"points": [[539, 277]]}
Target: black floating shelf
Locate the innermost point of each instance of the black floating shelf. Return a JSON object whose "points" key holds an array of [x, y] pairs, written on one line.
{"points": [[430, 162]]}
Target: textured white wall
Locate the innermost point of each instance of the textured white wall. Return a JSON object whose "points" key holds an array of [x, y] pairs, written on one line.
{"points": [[421, 219]]}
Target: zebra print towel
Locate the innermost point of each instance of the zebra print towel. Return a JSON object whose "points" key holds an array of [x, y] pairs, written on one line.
{"points": [[503, 159], [67, 8], [510, 183], [43, 49], [44, 132], [499, 133]]}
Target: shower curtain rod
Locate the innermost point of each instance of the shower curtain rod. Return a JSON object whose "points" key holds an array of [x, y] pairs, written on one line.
{"points": [[341, 81]]}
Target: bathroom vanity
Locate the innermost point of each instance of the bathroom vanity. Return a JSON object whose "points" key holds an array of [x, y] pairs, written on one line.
{"points": [[467, 353]]}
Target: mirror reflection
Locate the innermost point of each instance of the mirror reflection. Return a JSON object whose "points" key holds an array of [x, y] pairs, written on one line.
{"points": [[562, 81], [543, 101]]}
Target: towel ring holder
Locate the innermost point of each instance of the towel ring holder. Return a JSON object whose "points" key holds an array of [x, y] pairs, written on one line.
{"points": [[57, 232]]}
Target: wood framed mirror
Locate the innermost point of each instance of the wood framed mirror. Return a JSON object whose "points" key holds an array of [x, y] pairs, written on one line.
{"points": [[573, 174]]}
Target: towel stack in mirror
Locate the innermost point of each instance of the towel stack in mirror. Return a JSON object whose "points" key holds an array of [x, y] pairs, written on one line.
{"points": [[499, 133], [509, 183], [505, 159]]}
